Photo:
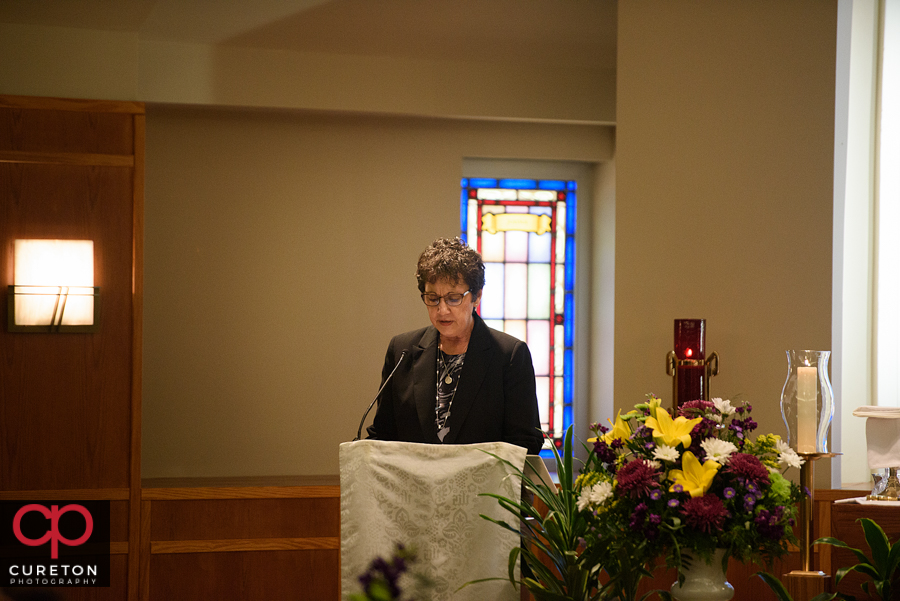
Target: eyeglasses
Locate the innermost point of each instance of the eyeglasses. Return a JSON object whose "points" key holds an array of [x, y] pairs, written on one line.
{"points": [[454, 299]]}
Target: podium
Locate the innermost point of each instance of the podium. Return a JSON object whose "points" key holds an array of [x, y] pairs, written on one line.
{"points": [[426, 497]]}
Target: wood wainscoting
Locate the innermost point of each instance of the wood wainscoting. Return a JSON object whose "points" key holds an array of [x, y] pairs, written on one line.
{"points": [[240, 538]]}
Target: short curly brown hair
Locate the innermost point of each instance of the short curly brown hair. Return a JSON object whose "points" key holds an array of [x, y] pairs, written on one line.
{"points": [[450, 259]]}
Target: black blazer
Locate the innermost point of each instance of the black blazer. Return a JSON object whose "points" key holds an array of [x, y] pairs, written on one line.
{"points": [[495, 399]]}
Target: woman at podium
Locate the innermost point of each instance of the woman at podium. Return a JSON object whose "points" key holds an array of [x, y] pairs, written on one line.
{"points": [[456, 381]]}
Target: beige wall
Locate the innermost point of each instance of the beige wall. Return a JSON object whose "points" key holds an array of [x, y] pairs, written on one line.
{"points": [[279, 259], [79, 63], [265, 227], [724, 166]]}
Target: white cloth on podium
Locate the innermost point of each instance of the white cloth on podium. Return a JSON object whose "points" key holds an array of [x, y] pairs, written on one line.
{"points": [[882, 435], [426, 497]]}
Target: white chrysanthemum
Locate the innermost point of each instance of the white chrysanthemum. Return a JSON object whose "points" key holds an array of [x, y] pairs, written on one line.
{"points": [[790, 458], [718, 450], [595, 495], [584, 499], [601, 492], [653, 464], [723, 406], [665, 453], [781, 446]]}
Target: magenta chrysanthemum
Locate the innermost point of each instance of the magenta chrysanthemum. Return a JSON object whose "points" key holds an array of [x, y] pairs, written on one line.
{"points": [[706, 513], [693, 408], [749, 467], [636, 478]]}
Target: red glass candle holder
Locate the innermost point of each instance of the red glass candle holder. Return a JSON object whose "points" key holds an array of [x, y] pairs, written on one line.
{"points": [[688, 364]]}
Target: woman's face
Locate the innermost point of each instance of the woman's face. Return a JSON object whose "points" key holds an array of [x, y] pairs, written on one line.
{"points": [[452, 322]]}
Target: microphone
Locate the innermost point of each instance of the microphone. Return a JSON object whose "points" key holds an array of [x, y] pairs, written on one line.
{"points": [[380, 390]]}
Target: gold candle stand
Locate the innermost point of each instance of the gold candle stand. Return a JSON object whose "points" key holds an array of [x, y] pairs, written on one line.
{"points": [[806, 583]]}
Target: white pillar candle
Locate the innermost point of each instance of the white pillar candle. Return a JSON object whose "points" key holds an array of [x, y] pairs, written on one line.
{"points": [[807, 423]]}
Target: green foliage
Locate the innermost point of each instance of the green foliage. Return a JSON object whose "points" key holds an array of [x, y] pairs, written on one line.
{"points": [[881, 567], [782, 593], [561, 535]]}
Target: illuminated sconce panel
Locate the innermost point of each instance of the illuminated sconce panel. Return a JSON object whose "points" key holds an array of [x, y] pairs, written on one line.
{"points": [[53, 288]]}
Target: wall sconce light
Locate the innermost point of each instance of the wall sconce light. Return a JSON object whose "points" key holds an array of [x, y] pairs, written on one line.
{"points": [[53, 288]]}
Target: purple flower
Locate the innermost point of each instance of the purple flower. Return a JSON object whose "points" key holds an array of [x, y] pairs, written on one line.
{"points": [[605, 453], [767, 523], [636, 478], [637, 517], [678, 488], [748, 467], [655, 494], [749, 502], [706, 513], [674, 502], [729, 493]]}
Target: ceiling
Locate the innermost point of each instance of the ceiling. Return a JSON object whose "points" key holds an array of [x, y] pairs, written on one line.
{"points": [[574, 33]]}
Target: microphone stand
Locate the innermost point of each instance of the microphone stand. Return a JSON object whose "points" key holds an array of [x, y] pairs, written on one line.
{"points": [[380, 390]]}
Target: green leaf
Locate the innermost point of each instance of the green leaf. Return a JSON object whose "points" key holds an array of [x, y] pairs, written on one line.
{"points": [[513, 560], [878, 543], [775, 584], [860, 556], [894, 558]]}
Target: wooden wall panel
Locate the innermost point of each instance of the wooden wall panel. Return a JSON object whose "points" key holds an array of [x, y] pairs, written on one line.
{"points": [[70, 403], [244, 518], [296, 575], [69, 392], [34, 130]]}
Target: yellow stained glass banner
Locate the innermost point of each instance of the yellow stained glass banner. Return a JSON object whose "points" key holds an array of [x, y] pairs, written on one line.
{"points": [[519, 222]]}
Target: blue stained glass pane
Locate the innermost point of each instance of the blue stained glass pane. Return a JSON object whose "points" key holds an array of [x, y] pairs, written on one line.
{"points": [[567, 416], [464, 182], [569, 319], [464, 213], [567, 379], [572, 185], [523, 184], [570, 263], [551, 184], [547, 454], [482, 182], [571, 206]]}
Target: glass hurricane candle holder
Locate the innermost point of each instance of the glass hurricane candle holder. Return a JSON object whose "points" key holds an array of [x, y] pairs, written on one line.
{"points": [[807, 405]]}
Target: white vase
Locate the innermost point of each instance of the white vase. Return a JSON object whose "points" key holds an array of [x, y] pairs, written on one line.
{"points": [[704, 581]]}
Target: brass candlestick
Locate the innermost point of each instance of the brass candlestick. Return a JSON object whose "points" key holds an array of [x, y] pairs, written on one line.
{"points": [[806, 583]]}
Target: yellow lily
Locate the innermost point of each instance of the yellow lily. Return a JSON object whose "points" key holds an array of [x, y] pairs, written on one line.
{"points": [[620, 429], [694, 478], [654, 405], [672, 432]]}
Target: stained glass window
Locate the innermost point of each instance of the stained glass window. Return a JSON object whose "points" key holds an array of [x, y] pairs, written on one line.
{"points": [[525, 232]]}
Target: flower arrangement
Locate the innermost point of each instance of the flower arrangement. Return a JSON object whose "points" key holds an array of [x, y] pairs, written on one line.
{"points": [[690, 482], [382, 580]]}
